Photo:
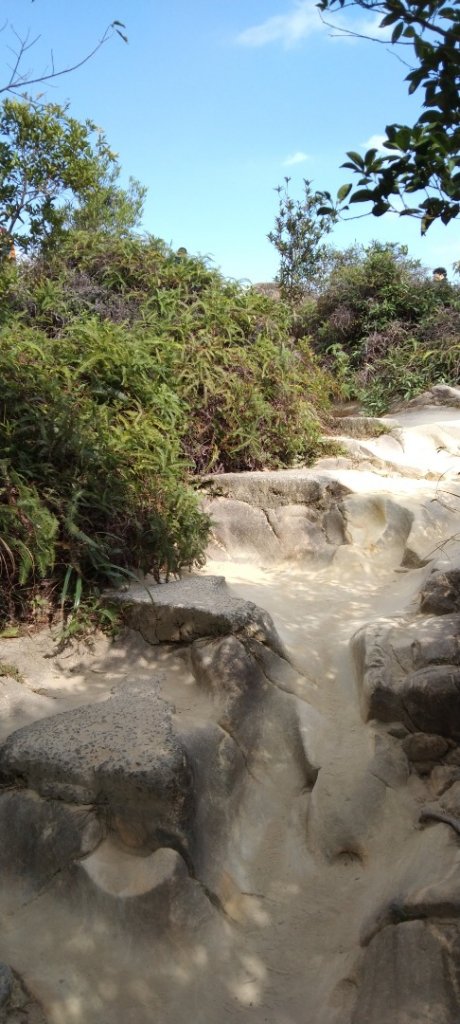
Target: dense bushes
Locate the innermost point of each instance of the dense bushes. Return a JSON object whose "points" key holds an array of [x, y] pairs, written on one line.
{"points": [[125, 368], [385, 329]]}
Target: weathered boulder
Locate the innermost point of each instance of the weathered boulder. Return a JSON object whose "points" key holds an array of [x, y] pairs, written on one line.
{"points": [[407, 976], [377, 523], [396, 659], [289, 515], [193, 607], [344, 809], [441, 593], [439, 394], [422, 746], [422, 882], [242, 531], [431, 700], [122, 755]]}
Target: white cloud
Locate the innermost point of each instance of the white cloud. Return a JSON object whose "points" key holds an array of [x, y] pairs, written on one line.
{"points": [[288, 29], [375, 142], [295, 158], [303, 21]]}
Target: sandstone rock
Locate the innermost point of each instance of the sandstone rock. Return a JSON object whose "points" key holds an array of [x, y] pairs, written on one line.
{"points": [[388, 652], [273, 488], [377, 523], [407, 976], [441, 593], [442, 777], [270, 517], [453, 756], [241, 532], [420, 746], [300, 534], [450, 799], [193, 607], [422, 882], [122, 755]]}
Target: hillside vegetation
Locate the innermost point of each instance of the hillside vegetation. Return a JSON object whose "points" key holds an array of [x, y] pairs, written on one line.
{"points": [[383, 326], [127, 369]]}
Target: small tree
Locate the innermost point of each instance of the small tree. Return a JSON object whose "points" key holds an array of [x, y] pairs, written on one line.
{"points": [[56, 172], [299, 239]]}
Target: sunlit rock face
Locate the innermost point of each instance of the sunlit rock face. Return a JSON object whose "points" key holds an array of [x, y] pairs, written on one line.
{"points": [[247, 806]]}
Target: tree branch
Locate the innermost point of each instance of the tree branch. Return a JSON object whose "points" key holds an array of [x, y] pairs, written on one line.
{"points": [[17, 81]]}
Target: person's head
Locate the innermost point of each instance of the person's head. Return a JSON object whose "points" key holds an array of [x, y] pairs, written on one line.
{"points": [[440, 274]]}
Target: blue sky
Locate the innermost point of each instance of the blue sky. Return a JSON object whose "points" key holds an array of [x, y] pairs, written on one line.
{"points": [[211, 103]]}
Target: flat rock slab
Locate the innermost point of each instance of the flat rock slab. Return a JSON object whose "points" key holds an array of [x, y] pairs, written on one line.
{"points": [[273, 488], [122, 755], [191, 608]]}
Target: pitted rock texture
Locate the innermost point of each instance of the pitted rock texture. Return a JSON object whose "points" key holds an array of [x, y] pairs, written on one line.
{"points": [[122, 755], [193, 607]]}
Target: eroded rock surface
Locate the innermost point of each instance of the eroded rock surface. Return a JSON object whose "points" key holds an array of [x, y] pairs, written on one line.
{"points": [[238, 813]]}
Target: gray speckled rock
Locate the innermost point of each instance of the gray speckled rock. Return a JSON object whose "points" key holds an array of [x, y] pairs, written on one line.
{"points": [[122, 755], [191, 608], [441, 593]]}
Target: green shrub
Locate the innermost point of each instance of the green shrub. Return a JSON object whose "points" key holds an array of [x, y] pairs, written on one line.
{"points": [[383, 328], [90, 482], [125, 369]]}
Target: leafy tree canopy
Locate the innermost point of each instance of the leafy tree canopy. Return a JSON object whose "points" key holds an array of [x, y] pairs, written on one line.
{"points": [[420, 174], [57, 173]]}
